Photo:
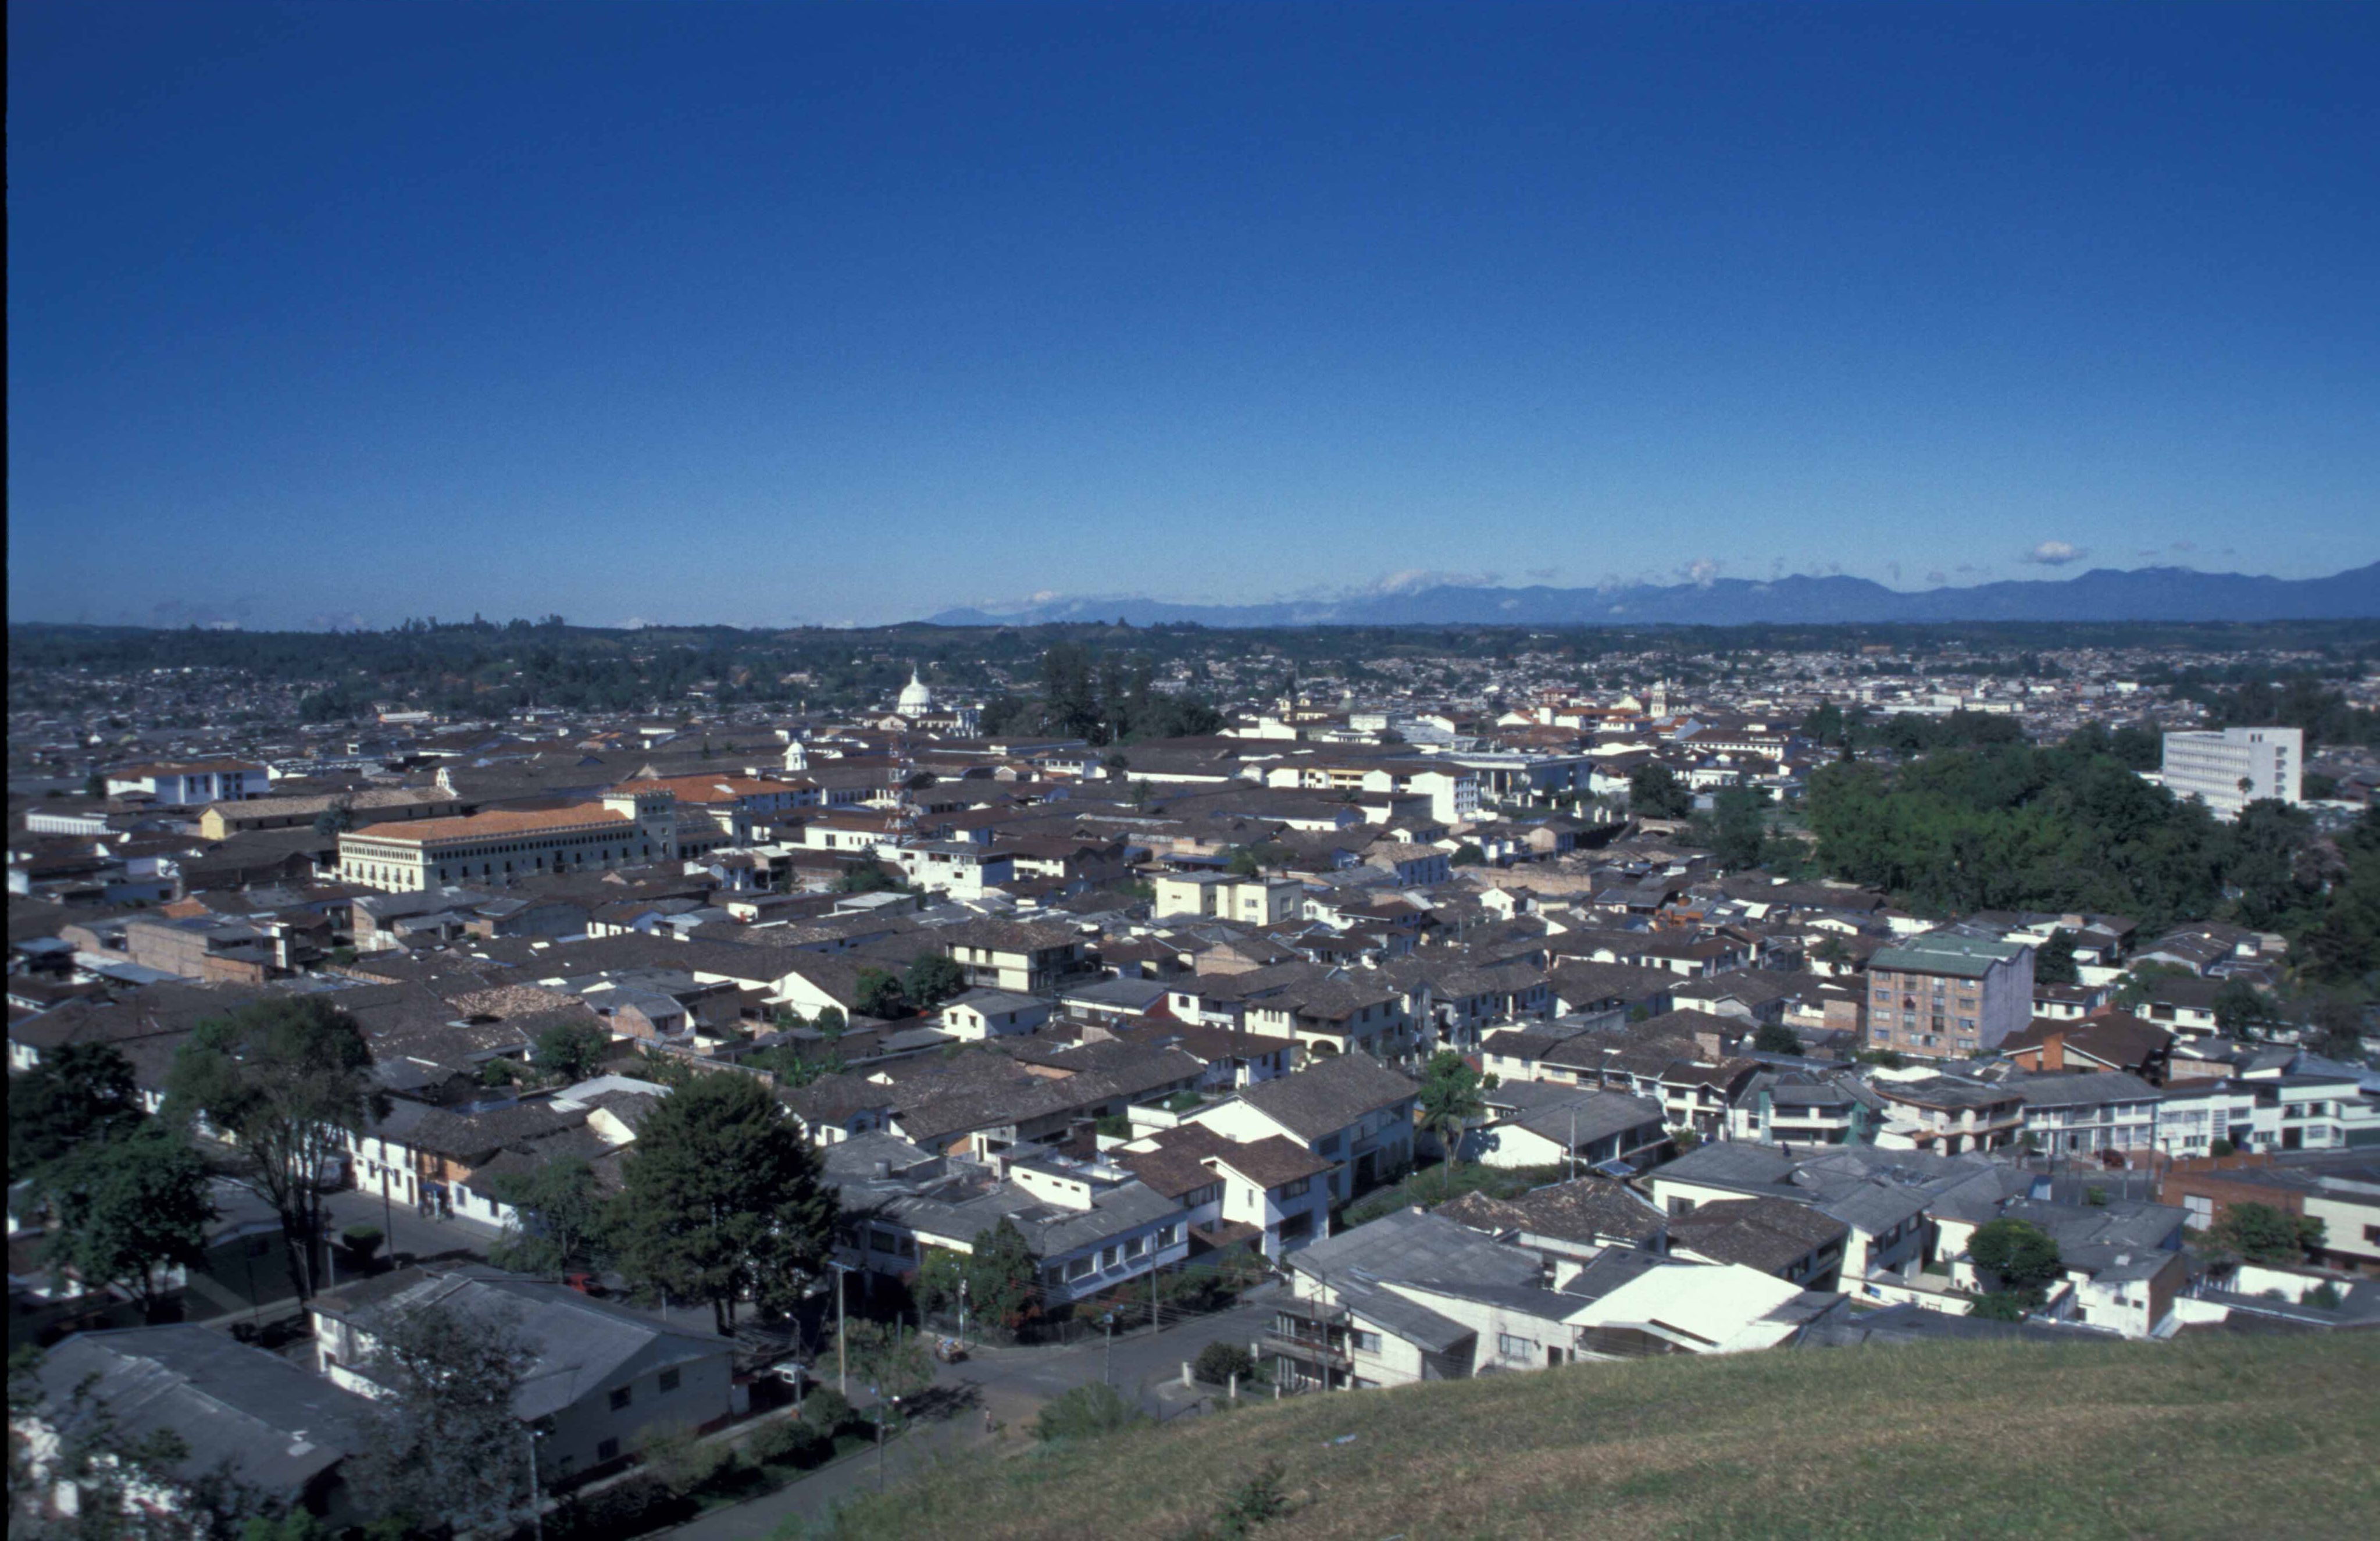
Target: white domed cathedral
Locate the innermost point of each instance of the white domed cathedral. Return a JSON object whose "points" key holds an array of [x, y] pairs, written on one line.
{"points": [[917, 707]]}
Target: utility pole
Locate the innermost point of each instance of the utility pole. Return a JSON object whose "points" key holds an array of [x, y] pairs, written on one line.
{"points": [[536, 1504], [1107, 1358], [963, 1306], [1155, 1305], [842, 1367]]}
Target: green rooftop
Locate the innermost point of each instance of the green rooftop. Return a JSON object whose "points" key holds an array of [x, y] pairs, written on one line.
{"points": [[1968, 957]]}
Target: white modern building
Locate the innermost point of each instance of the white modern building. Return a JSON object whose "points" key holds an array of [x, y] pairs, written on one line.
{"points": [[190, 784], [2229, 770]]}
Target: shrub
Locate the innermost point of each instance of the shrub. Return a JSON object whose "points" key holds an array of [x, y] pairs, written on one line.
{"points": [[1086, 1412], [826, 1410], [2322, 1297], [2004, 1306], [362, 1241], [623, 1509], [790, 1442], [681, 1462], [1218, 1363], [1248, 1507]]}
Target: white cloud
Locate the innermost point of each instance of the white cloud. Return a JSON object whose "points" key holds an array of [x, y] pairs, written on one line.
{"points": [[1412, 580], [1701, 572], [1938, 579], [2055, 553]]}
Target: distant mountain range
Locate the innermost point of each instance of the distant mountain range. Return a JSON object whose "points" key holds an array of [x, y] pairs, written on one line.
{"points": [[2101, 594]]}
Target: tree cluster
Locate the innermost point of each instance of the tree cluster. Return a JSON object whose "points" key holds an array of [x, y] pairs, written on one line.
{"points": [[2072, 827]]}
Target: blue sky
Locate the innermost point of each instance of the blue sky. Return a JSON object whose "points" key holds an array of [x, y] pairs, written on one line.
{"points": [[765, 314]]}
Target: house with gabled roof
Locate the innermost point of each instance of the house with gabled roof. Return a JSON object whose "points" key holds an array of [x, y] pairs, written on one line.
{"points": [[599, 1375], [1349, 1110]]}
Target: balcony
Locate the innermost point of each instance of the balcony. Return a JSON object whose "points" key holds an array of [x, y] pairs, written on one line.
{"points": [[1310, 1332], [1307, 1350]]}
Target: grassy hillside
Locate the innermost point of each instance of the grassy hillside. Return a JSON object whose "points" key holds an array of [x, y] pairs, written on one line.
{"points": [[2220, 1436]]}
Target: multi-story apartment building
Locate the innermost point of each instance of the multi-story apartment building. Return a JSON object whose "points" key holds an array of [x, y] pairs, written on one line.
{"points": [[1224, 896], [187, 786], [1948, 1115], [2227, 771], [628, 826], [1941, 997]]}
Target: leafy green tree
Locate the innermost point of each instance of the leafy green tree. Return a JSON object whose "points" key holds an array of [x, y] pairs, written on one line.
{"points": [[2136, 748], [559, 1223], [2053, 961], [2239, 1008], [79, 1092], [1468, 855], [2342, 945], [866, 878], [335, 820], [878, 993], [886, 1357], [941, 1270], [1000, 1273], [572, 1049], [831, 1020], [129, 1207], [1654, 791], [288, 1080], [445, 1449], [930, 979], [2263, 1233], [722, 1199], [2334, 1027], [1449, 1101], [2021, 1254], [1775, 1038], [1737, 829]]}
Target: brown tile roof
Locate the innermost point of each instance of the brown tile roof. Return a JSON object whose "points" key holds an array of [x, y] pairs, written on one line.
{"points": [[1764, 1233], [491, 825]]}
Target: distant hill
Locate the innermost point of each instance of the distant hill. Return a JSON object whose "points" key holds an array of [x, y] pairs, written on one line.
{"points": [[2101, 594], [2224, 1435]]}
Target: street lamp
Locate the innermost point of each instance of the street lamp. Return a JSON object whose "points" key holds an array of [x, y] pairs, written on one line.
{"points": [[1107, 1359], [963, 1306], [879, 1441]]}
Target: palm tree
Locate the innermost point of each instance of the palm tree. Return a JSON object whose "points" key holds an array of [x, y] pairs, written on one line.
{"points": [[1449, 1101]]}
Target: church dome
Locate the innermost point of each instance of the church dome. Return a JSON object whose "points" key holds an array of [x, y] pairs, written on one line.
{"points": [[915, 699]]}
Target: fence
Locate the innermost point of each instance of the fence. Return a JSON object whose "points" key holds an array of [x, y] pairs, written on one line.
{"points": [[1197, 1290]]}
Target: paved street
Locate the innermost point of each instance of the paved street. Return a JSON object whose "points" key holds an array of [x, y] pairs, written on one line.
{"points": [[408, 1232], [1012, 1383]]}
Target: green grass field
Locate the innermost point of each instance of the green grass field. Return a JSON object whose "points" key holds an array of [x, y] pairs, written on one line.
{"points": [[2215, 1437]]}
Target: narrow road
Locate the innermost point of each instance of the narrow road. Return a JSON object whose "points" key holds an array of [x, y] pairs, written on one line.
{"points": [[1011, 1384]]}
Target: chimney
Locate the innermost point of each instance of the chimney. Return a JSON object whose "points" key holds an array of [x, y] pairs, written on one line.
{"points": [[883, 1171], [2053, 1051]]}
